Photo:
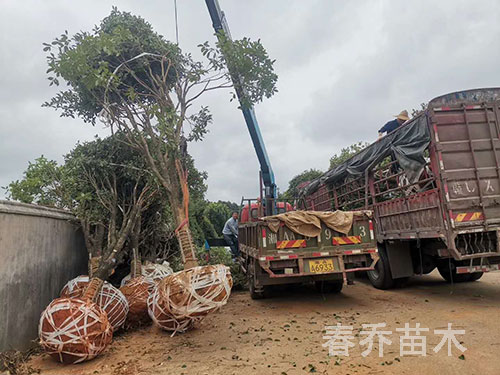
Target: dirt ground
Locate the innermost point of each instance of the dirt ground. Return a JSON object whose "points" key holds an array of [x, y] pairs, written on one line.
{"points": [[284, 334]]}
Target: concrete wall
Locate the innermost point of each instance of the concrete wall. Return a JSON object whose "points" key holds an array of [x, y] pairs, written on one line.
{"points": [[40, 250]]}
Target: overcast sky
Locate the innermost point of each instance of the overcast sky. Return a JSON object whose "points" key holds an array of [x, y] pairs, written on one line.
{"points": [[344, 67]]}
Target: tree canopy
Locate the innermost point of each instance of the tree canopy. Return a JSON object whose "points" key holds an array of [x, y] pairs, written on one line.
{"points": [[295, 183], [143, 86], [346, 153], [96, 182]]}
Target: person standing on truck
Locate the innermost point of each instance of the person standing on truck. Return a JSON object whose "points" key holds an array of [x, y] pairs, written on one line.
{"points": [[394, 124], [230, 233]]}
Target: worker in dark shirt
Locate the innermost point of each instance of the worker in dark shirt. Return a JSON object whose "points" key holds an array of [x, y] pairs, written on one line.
{"points": [[394, 124], [230, 233]]}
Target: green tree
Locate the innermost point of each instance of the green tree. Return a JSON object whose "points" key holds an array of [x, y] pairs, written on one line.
{"points": [[218, 213], [40, 184], [295, 183], [346, 153], [77, 184], [144, 86], [104, 183]]}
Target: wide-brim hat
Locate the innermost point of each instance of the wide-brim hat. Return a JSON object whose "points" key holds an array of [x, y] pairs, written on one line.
{"points": [[403, 115]]}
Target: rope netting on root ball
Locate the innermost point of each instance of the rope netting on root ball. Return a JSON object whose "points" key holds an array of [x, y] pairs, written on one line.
{"points": [[162, 318], [136, 291], [188, 296], [109, 298], [153, 271], [74, 330]]}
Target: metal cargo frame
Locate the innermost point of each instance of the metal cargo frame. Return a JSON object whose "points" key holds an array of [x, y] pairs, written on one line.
{"points": [[457, 198]]}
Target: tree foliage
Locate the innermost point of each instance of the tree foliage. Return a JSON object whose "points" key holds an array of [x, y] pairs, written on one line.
{"points": [[295, 183], [346, 153], [82, 185], [104, 183], [146, 88], [218, 213], [40, 184], [87, 62]]}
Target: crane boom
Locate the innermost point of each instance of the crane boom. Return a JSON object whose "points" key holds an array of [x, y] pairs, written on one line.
{"points": [[219, 24]]}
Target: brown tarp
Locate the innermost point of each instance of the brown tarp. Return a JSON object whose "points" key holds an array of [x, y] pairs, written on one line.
{"points": [[308, 223]]}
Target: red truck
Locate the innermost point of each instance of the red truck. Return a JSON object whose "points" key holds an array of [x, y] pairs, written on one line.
{"points": [[433, 185]]}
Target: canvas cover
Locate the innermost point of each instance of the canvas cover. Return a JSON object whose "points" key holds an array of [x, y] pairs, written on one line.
{"points": [[308, 223], [406, 143]]}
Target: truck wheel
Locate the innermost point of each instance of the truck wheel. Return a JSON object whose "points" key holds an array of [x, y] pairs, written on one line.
{"points": [[401, 282], [381, 277], [476, 276], [255, 291], [329, 286], [452, 275]]}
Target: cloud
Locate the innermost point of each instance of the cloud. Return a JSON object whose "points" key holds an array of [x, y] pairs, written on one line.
{"points": [[344, 69]]}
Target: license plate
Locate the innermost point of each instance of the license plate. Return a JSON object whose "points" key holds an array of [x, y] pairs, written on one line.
{"points": [[321, 265]]}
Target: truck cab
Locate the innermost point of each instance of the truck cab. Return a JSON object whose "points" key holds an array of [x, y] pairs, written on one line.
{"points": [[251, 212]]}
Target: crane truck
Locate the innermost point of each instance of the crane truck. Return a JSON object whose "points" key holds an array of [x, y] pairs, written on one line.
{"points": [[274, 255]]}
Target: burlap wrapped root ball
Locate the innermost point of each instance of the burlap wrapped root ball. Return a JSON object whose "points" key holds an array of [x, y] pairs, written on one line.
{"points": [[72, 330], [153, 271], [161, 317], [137, 291], [110, 299], [190, 295]]}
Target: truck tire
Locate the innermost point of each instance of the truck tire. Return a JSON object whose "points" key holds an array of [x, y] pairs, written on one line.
{"points": [[329, 286], [448, 270], [381, 277], [476, 276], [255, 292]]}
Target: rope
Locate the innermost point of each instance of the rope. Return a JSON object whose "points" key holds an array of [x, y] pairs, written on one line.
{"points": [[137, 291], [182, 232], [159, 314], [135, 265], [92, 290], [153, 271], [190, 295], [94, 265], [109, 298], [83, 333], [187, 246]]}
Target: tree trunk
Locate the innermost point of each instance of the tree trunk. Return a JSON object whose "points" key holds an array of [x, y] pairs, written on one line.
{"points": [[111, 255], [135, 235], [179, 199]]}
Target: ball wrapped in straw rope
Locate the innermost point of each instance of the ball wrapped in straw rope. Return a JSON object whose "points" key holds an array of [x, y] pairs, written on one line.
{"points": [[162, 318], [153, 271], [74, 330], [136, 291], [188, 296], [156, 271], [109, 298]]}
